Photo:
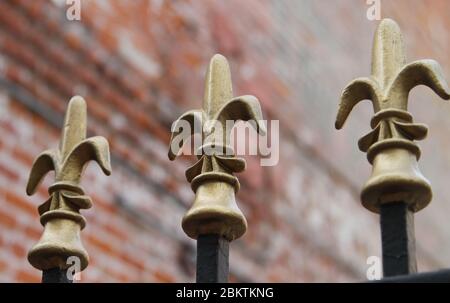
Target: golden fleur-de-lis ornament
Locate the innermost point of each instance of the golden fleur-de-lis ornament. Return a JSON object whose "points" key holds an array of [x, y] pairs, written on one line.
{"points": [[390, 145], [214, 211], [60, 214]]}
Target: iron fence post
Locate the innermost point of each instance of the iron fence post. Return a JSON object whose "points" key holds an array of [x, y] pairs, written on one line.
{"points": [[397, 239], [55, 275], [396, 188], [212, 259], [214, 219], [60, 214]]}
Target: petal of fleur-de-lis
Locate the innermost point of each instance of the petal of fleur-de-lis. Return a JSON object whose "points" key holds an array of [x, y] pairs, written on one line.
{"points": [[358, 90], [215, 210], [194, 120], [392, 79], [47, 161], [60, 214], [423, 72], [95, 149], [395, 174]]}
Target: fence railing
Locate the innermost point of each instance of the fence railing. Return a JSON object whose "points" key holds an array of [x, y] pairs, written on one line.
{"points": [[395, 190]]}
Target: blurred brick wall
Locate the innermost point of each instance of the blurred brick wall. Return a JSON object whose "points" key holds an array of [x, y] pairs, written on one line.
{"points": [[139, 64]]}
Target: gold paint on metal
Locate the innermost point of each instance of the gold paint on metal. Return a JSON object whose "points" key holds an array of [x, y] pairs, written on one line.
{"points": [[60, 214], [389, 146], [214, 210]]}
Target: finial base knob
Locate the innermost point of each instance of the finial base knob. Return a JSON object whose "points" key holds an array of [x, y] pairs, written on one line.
{"points": [[60, 240], [215, 212], [396, 177]]}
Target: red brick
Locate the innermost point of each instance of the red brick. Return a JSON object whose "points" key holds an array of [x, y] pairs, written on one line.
{"points": [[18, 201], [49, 63], [7, 221], [104, 206], [8, 172], [3, 266], [18, 250], [27, 276], [131, 260], [34, 232], [116, 232], [164, 277], [99, 243], [23, 156]]}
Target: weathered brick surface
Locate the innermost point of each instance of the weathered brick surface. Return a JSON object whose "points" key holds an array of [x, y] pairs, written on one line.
{"points": [[141, 63]]}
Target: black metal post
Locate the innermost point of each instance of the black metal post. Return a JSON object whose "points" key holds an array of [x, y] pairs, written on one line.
{"points": [[55, 275], [398, 241], [212, 259]]}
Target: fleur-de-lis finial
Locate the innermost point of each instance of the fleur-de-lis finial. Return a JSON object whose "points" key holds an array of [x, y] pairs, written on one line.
{"points": [[60, 214], [389, 146], [214, 210]]}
